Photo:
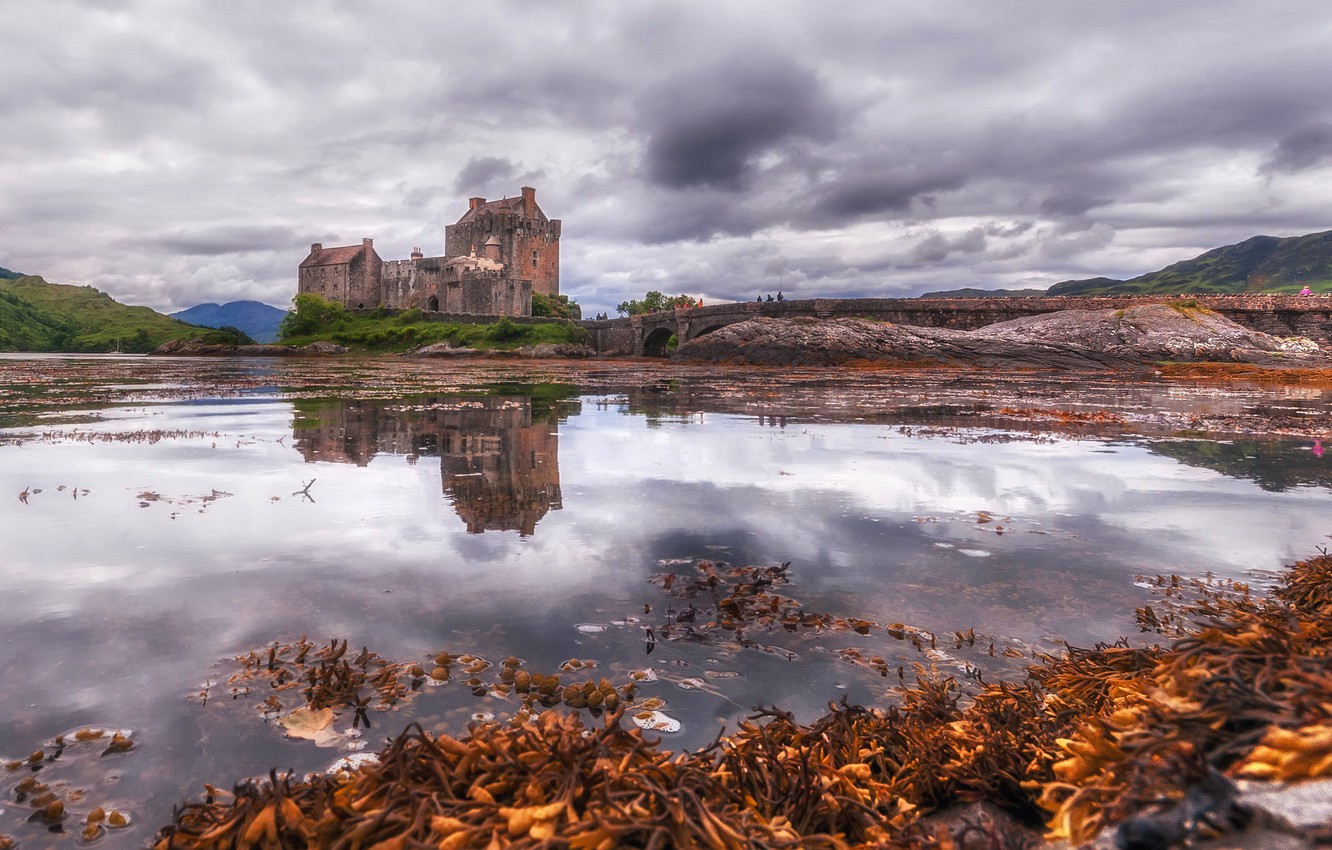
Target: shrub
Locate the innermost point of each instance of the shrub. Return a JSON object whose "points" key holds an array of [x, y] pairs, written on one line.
{"points": [[311, 315]]}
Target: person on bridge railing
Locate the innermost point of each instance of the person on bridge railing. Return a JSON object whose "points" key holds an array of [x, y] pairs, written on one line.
{"points": [[779, 296], [1306, 290]]}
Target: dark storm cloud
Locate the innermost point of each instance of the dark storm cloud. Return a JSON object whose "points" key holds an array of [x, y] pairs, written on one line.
{"points": [[707, 126], [482, 171], [233, 239], [1303, 149], [856, 195]]}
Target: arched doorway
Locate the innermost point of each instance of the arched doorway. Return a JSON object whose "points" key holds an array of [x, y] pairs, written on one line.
{"points": [[433, 304]]}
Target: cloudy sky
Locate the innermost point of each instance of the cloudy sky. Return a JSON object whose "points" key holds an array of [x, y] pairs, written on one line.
{"points": [[173, 152]]}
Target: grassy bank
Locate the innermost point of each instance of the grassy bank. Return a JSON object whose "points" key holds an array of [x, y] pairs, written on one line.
{"points": [[394, 331]]}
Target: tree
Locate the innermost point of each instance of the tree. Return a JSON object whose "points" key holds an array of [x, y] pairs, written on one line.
{"points": [[654, 301], [556, 306], [312, 313]]}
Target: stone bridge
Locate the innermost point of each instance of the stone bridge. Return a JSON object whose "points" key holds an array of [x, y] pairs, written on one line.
{"points": [[648, 335]]}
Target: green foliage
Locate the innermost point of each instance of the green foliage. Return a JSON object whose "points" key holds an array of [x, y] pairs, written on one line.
{"points": [[654, 302], [559, 307], [410, 316], [312, 314], [506, 330], [392, 333]]}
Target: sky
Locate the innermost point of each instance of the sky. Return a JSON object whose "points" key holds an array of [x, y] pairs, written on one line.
{"points": [[178, 152]]}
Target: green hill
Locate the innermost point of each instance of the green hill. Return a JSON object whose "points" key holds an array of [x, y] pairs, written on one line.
{"points": [[40, 316], [1260, 264]]}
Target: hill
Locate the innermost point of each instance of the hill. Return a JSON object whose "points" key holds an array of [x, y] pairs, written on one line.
{"points": [[1259, 264], [257, 319], [40, 316], [6, 274]]}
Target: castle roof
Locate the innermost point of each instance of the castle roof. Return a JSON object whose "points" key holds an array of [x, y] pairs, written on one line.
{"points": [[333, 256], [504, 205]]}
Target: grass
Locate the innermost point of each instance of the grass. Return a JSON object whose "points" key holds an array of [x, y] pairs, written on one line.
{"points": [[40, 316], [384, 333]]}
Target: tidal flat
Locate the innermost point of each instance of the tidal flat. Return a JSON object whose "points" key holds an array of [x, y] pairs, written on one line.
{"points": [[176, 530]]}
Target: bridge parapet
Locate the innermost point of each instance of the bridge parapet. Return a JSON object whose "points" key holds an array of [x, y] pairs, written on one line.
{"points": [[1281, 315]]}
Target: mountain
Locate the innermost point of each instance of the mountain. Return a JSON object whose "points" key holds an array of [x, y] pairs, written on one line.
{"points": [[1259, 264], [40, 316], [257, 319], [6, 274]]}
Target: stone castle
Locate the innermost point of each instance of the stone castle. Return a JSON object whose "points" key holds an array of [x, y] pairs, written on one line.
{"points": [[496, 256]]}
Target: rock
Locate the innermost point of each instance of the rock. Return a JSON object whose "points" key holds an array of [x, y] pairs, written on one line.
{"points": [[840, 342], [1160, 332], [324, 347], [443, 349], [1302, 808], [1130, 339], [549, 350], [187, 348]]}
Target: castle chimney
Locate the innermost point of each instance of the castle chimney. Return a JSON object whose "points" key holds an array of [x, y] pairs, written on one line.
{"points": [[529, 202], [368, 244], [416, 254], [473, 203], [316, 247]]}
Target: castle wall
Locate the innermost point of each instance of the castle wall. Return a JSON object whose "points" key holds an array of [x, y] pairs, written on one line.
{"points": [[328, 282], [407, 284]]}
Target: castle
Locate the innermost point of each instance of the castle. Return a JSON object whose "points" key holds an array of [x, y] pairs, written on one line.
{"points": [[496, 256]]}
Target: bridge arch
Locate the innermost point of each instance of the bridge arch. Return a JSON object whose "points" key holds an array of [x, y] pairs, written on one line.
{"points": [[654, 344], [709, 329]]}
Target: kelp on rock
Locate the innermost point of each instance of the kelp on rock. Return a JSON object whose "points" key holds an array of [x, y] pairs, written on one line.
{"points": [[1088, 739]]}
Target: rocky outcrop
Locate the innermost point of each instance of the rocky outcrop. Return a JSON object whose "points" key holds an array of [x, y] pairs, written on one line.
{"points": [[554, 350], [1159, 332], [187, 348], [841, 342], [1073, 339], [543, 351]]}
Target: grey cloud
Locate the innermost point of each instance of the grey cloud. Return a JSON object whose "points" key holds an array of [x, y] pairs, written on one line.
{"points": [[1071, 204], [236, 239], [1307, 147], [936, 247], [707, 126], [856, 195], [481, 171]]}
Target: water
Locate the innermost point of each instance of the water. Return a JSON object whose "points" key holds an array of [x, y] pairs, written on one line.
{"points": [[173, 514]]}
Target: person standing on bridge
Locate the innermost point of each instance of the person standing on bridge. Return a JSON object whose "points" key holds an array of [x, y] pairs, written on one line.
{"points": [[779, 296], [1306, 290]]}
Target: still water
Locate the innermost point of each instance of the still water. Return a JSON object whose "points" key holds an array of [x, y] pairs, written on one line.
{"points": [[159, 518]]}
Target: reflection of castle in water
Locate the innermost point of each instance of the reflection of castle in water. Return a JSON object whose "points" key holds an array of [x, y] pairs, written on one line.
{"points": [[500, 469]]}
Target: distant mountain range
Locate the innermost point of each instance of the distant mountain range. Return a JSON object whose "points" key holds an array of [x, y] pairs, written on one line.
{"points": [[257, 319], [40, 316], [6, 274], [1260, 264]]}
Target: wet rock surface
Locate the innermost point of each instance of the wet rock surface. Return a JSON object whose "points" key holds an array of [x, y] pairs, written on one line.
{"points": [[1073, 339], [186, 348]]}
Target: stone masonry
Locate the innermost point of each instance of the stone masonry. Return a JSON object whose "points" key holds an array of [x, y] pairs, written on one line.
{"points": [[495, 257]]}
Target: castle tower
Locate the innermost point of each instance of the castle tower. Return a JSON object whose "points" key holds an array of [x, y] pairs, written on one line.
{"points": [[528, 243]]}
